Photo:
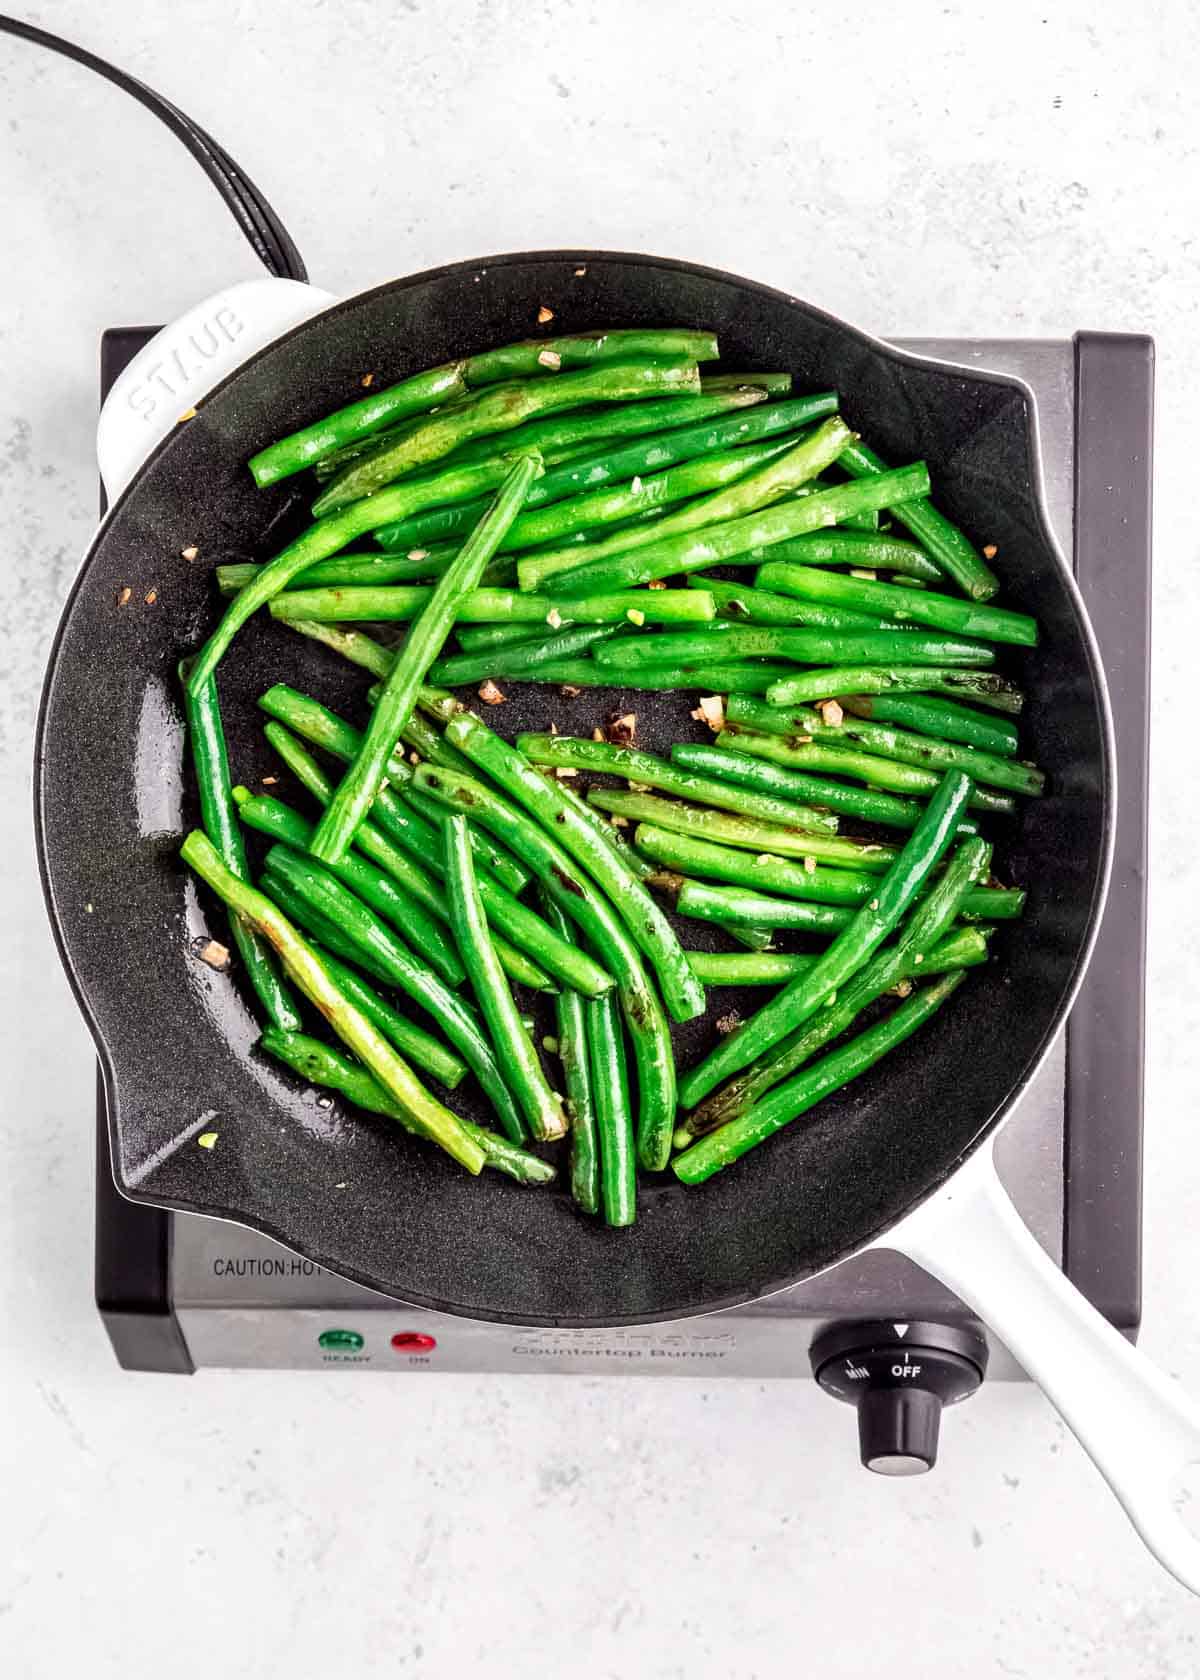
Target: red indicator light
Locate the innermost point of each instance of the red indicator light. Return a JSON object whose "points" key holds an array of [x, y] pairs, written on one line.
{"points": [[413, 1341]]}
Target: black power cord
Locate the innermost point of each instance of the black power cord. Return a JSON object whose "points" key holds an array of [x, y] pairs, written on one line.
{"points": [[268, 237]]}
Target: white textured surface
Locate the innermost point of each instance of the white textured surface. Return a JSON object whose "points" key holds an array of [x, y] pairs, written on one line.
{"points": [[927, 168]]}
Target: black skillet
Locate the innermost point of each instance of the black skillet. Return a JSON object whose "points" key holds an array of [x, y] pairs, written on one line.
{"points": [[177, 1040], [894, 1161]]}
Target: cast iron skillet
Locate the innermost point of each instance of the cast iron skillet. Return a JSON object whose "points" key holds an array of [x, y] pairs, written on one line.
{"points": [[176, 1040]]}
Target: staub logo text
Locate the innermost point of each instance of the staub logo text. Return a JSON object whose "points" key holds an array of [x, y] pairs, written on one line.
{"points": [[183, 360]]}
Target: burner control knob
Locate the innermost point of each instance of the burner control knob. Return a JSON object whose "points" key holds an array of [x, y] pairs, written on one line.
{"points": [[899, 1376]]}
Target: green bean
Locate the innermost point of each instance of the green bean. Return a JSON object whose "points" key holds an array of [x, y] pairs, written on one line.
{"points": [[600, 825], [758, 940], [542, 1109], [614, 1115], [741, 831], [430, 743], [411, 1040], [963, 948], [323, 728], [774, 384], [218, 815], [347, 567], [737, 601], [853, 947], [788, 472], [867, 521], [571, 891], [722, 641], [941, 718], [358, 419], [560, 519], [748, 968], [491, 447], [576, 522], [732, 1141], [328, 939], [726, 764], [616, 504], [852, 548], [498, 411], [354, 645], [302, 714], [329, 466], [738, 907], [591, 429], [274, 818], [544, 799], [536, 952], [804, 722], [570, 1013], [321, 1065], [904, 606], [476, 638], [632, 859], [438, 703], [741, 908], [421, 1047], [529, 951], [569, 752], [399, 829], [943, 541], [398, 890], [424, 642], [679, 853], [308, 973], [986, 688], [336, 905], [395, 604], [351, 569], [748, 677], [543, 357], [683, 854], [234, 577], [661, 553], [429, 565], [620, 464], [510, 1159], [929, 924], [898, 777], [519, 661], [321, 541]]}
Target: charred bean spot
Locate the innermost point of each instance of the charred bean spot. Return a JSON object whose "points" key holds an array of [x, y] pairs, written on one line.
{"points": [[567, 881], [639, 1010]]}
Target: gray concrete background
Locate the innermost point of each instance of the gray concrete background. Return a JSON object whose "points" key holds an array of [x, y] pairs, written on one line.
{"points": [[931, 168]]}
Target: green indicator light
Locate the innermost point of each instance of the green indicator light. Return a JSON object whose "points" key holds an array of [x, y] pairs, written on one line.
{"points": [[340, 1341]]}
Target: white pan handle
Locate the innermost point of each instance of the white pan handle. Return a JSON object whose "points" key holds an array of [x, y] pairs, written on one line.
{"points": [[184, 361], [1137, 1425]]}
